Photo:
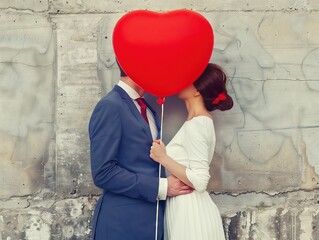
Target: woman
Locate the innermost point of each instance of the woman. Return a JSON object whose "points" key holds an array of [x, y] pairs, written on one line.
{"points": [[194, 216]]}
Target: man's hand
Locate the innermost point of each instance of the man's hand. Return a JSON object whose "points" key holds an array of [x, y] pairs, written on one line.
{"points": [[177, 187]]}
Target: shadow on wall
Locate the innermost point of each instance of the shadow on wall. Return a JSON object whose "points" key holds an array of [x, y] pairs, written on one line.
{"points": [[27, 103]]}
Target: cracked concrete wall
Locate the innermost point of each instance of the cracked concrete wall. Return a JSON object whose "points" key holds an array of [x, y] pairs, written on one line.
{"points": [[27, 89], [57, 61]]}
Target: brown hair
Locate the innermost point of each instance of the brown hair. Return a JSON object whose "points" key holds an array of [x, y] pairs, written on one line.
{"points": [[123, 74], [211, 85]]}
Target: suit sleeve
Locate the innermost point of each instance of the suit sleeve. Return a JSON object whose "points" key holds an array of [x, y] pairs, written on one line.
{"points": [[105, 139]]}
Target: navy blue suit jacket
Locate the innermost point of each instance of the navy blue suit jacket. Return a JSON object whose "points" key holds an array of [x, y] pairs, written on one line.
{"points": [[120, 142]]}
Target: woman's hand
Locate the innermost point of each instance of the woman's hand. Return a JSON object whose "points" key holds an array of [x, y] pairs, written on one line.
{"points": [[158, 151]]}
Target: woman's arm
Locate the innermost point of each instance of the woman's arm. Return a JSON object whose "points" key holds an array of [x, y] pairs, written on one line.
{"points": [[197, 141], [158, 154]]}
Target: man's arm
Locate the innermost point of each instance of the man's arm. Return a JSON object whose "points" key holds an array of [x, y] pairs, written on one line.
{"points": [[177, 187], [172, 186], [105, 136]]}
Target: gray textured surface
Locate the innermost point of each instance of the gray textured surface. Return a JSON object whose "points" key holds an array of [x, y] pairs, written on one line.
{"points": [[56, 63]]}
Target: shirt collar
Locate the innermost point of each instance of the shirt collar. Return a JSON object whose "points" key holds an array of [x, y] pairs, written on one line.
{"points": [[128, 89]]}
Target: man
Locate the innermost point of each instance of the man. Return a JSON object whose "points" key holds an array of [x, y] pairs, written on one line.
{"points": [[122, 129]]}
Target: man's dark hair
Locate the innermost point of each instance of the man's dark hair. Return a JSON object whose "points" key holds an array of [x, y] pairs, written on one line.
{"points": [[123, 74]]}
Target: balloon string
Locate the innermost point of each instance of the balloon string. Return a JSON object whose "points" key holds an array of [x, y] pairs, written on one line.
{"points": [[159, 170], [162, 118]]}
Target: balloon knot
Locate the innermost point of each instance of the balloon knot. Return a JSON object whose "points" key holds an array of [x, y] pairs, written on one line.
{"points": [[161, 100]]}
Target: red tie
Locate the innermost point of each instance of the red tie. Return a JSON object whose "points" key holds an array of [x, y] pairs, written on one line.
{"points": [[142, 103]]}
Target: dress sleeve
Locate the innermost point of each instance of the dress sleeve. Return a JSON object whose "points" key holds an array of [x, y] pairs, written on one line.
{"points": [[196, 144]]}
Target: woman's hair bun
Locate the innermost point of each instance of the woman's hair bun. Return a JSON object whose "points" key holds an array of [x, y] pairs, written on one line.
{"points": [[212, 86]]}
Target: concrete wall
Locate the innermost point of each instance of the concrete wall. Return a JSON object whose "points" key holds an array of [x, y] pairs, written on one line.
{"points": [[57, 61]]}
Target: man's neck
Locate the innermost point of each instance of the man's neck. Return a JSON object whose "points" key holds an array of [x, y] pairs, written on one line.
{"points": [[133, 85]]}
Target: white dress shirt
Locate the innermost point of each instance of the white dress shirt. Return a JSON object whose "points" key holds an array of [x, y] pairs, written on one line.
{"points": [[162, 189]]}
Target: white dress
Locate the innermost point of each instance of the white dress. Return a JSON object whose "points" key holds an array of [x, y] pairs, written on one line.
{"points": [[193, 216]]}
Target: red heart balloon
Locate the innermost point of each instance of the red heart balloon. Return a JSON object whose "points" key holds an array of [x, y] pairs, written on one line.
{"points": [[163, 52]]}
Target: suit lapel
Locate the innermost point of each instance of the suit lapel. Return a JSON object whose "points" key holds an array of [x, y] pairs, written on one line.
{"points": [[126, 98]]}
